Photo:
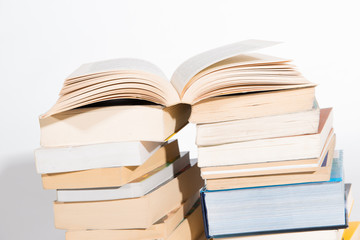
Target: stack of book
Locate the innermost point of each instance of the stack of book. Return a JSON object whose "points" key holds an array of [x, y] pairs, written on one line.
{"points": [[268, 159], [116, 173], [266, 151]]}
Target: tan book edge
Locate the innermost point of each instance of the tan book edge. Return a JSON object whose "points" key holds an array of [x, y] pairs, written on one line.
{"points": [[245, 106], [191, 228], [159, 230], [290, 124], [269, 168], [269, 150], [322, 174], [112, 124], [110, 177], [129, 213]]}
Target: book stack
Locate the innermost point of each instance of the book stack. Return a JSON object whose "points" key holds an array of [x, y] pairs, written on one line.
{"points": [[268, 160], [116, 174], [104, 145], [266, 151]]}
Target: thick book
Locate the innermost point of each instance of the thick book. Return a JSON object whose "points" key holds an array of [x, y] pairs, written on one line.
{"points": [[309, 165], [253, 105], [111, 176], [134, 189], [336, 234], [133, 213], [320, 175], [231, 69], [276, 209], [291, 124], [159, 230], [269, 150], [190, 228], [106, 124]]}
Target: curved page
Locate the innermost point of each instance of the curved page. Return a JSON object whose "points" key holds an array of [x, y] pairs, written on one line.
{"points": [[194, 65]]}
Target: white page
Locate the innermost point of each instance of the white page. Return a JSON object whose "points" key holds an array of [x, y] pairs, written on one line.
{"points": [[192, 66], [120, 64]]}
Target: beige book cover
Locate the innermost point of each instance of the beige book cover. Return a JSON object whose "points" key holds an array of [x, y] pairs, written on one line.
{"points": [[269, 150], [290, 124], [159, 230], [129, 213], [111, 177], [269, 168], [94, 125], [321, 174], [246, 106], [134, 189]]}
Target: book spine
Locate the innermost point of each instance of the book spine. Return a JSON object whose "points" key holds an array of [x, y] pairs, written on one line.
{"points": [[204, 212]]}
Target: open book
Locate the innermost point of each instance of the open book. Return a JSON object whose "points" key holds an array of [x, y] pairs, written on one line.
{"points": [[230, 69]]}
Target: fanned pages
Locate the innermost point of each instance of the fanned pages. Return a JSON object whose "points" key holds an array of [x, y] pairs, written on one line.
{"points": [[194, 65], [230, 69]]}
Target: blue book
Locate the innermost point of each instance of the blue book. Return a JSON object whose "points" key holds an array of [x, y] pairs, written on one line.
{"points": [[276, 209]]}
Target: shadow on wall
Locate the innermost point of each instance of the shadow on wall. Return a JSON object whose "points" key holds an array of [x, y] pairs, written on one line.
{"points": [[25, 208]]}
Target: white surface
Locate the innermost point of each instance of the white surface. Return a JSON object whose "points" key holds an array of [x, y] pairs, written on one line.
{"points": [[42, 42]]}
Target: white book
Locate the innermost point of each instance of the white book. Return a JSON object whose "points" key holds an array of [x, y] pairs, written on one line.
{"points": [[116, 154], [269, 150], [137, 188], [292, 124]]}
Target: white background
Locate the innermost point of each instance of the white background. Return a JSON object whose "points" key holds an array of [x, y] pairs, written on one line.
{"points": [[41, 42]]}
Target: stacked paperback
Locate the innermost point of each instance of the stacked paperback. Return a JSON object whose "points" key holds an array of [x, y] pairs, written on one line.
{"points": [[269, 163], [116, 173]]}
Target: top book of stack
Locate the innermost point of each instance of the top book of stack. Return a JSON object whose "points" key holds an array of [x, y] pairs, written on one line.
{"points": [[229, 70]]}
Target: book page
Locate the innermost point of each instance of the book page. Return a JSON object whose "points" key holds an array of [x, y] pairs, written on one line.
{"points": [[117, 65], [192, 66], [123, 78]]}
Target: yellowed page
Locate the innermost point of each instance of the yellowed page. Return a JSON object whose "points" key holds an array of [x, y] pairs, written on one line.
{"points": [[116, 65], [109, 95], [246, 89], [194, 65], [249, 61], [114, 79], [104, 80]]}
